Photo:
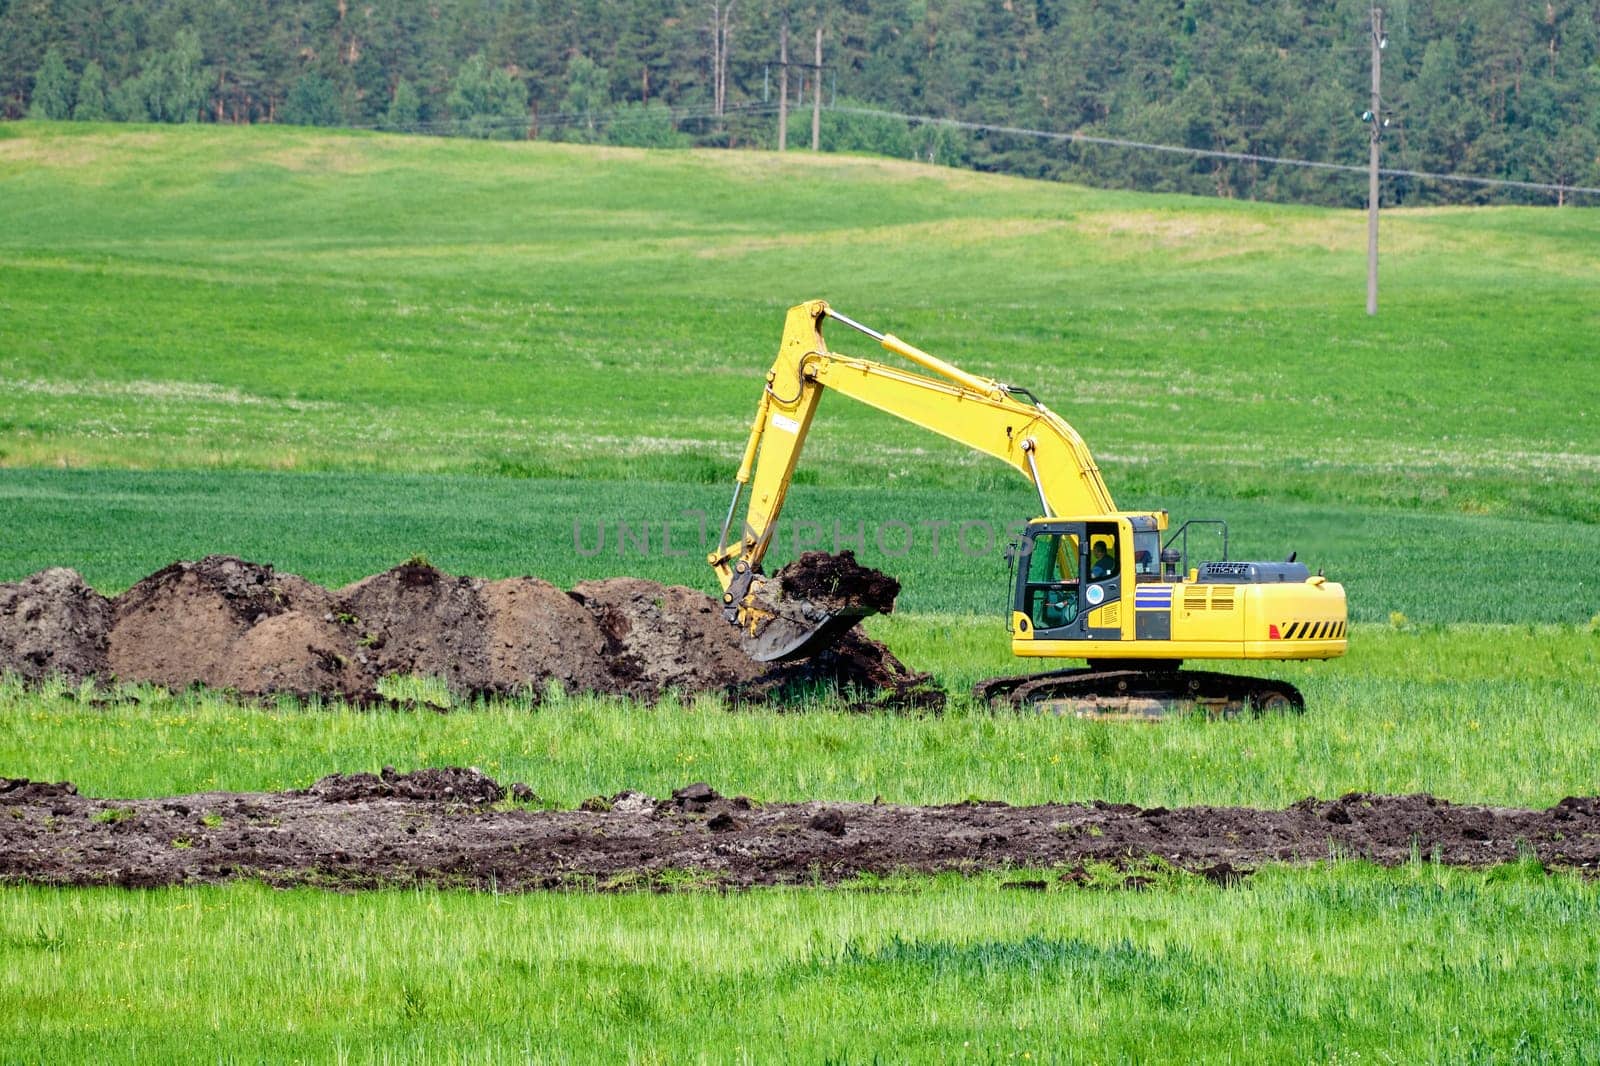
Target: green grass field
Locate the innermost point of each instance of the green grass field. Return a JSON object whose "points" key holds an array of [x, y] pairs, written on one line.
{"points": [[335, 528], [277, 298], [331, 351], [1475, 967]]}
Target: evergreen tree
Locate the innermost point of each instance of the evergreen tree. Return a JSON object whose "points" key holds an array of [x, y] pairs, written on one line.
{"points": [[588, 99], [405, 110], [369, 90], [52, 88], [173, 86], [313, 101], [127, 101], [637, 125], [487, 103], [91, 106], [1573, 158]]}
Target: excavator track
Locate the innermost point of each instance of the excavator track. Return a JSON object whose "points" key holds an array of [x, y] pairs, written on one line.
{"points": [[1096, 692]]}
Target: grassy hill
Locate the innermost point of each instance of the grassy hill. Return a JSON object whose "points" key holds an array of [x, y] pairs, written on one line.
{"points": [[281, 298]]}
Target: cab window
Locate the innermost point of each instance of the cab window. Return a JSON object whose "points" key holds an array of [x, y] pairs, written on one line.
{"points": [[1103, 553], [1054, 558], [1147, 556], [1052, 586]]}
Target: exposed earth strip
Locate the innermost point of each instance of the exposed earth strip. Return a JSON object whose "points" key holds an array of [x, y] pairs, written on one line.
{"points": [[456, 827]]}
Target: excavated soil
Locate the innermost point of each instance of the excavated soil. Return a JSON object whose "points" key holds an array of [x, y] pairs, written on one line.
{"points": [[232, 624], [53, 623], [837, 581], [448, 827]]}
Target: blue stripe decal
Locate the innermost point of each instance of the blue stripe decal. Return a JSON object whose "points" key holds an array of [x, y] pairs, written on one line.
{"points": [[1152, 599]]}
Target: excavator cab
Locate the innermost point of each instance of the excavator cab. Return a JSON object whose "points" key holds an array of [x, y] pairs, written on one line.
{"points": [[1077, 570], [1107, 590]]}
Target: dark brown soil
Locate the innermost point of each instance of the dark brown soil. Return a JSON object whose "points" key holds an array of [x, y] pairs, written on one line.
{"points": [[439, 826], [837, 581], [858, 666], [537, 633], [416, 620], [231, 624], [52, 623], [659, 638]]}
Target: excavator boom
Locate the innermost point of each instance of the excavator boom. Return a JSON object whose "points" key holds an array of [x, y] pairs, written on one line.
{"points": [[1001, 420], [1006, 422]]}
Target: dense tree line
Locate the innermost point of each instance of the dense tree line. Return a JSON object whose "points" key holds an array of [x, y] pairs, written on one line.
{"points": [[1479, 86]]}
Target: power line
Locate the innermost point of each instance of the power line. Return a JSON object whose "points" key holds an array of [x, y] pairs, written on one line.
{"points": [[560, 118], [1212, 153], [611, 118]]}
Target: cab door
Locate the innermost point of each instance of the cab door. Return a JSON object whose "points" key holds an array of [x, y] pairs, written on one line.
{"points": [[1102, 579], [1049, 582]]}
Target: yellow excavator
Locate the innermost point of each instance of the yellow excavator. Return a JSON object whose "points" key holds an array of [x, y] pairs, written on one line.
{"points": [[1091, 582]]}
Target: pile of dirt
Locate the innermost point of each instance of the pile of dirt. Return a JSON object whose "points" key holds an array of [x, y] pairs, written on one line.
{"points": [[447, 826], [415, 620], [857, 664], [658, 638], [231, 624], [53, 623], [450, 784], [538, 633]]}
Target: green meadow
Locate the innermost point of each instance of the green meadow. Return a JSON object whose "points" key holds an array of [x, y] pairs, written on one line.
{"points": [[273, 298], [331, 351], [1433, 567], [1340, 964], [1485, 714]]}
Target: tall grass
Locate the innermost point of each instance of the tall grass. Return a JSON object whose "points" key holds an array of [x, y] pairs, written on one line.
{"points": [[1342, 963], [1502, 715]]}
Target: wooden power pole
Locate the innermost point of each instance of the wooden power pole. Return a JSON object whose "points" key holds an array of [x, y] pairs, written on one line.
{"points": [[816, 97], [1375, 120], [721, 24], [783, 85]]}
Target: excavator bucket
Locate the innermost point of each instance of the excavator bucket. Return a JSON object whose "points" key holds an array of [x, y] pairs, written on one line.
{"points": [[807, 607], [799, 630]]}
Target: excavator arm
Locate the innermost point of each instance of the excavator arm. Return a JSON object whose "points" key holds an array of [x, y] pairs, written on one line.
{"points": [[989, 416]]}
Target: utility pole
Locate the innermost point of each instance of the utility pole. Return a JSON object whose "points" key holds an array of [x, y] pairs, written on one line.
{"points": [[721, 17], [783, 84], [816, 97], [1374, 119]]}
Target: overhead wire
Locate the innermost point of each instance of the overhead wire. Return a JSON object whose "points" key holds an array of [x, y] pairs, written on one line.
{"points": [[560, 119], [1214, 153]]}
